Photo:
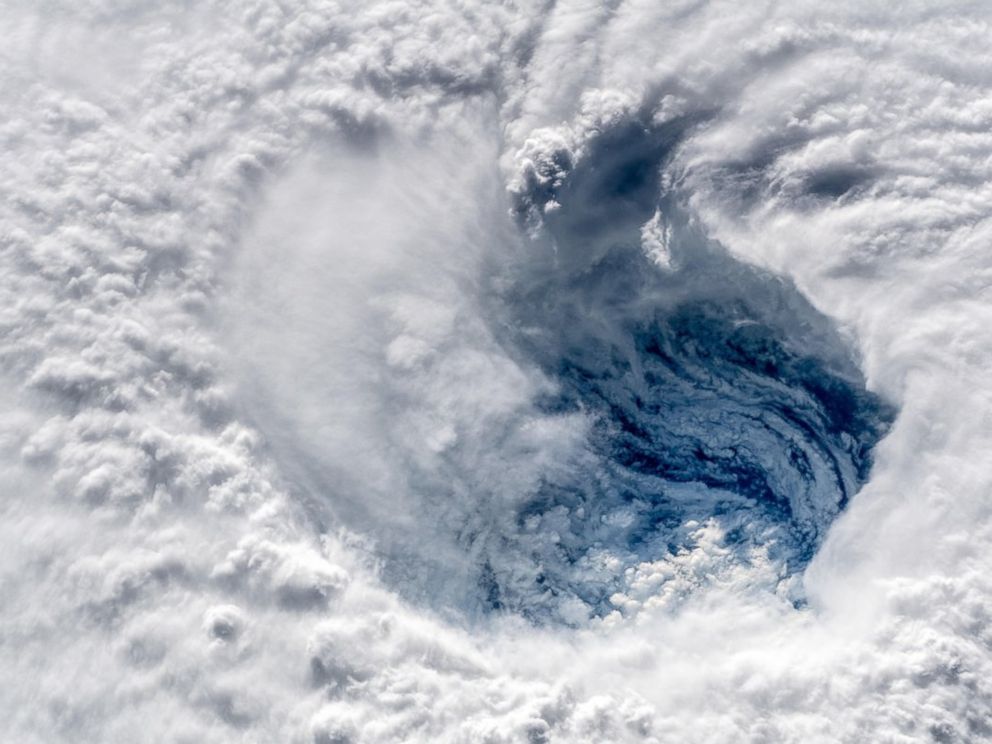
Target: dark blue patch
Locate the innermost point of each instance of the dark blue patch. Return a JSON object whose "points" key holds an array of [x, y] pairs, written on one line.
{"points": [[701, 410], [715, 391], [833, 183]]}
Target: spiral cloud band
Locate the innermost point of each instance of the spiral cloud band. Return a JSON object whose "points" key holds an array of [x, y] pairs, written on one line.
{"points": [[441, 371]]}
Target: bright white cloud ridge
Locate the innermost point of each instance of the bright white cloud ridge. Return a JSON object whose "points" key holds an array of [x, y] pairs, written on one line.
{"points": [[463, 371]]}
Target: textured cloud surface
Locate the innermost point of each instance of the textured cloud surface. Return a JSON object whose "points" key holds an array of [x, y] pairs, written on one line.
{"points": [[494, 372]]}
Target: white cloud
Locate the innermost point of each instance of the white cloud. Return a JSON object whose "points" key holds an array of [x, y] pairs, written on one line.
{"points": [[259, 386]]}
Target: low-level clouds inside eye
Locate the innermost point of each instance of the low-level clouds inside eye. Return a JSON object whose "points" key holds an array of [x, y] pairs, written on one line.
{"points": [[473, 372]]}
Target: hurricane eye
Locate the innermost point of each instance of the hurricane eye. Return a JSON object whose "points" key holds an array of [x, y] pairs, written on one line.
{"points": [[704, 413], [728, 421]]}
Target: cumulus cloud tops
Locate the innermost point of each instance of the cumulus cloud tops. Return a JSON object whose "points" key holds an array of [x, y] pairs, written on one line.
{"points": [[437, 371]]}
